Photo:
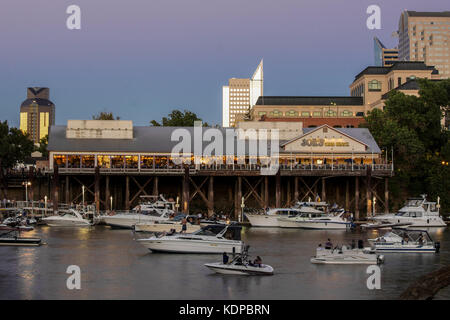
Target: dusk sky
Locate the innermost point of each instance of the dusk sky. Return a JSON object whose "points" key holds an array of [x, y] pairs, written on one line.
{"points": [[141, 59]]}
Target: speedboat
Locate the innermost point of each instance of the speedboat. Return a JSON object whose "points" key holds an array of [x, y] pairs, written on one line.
{"points": [[418, 212], [71, 218], [240, 265], [210, 239], [147, 212], [405, 241], [270, 217], [168, 225], [346, 255]]}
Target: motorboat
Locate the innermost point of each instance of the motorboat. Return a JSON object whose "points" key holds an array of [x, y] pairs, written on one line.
{"points": [[240, 265], [215, 239], [405, 241], [346, 255], [418, 212], [10, 236], [147, 212], [192, 225], [70, 218], [269, 218]]}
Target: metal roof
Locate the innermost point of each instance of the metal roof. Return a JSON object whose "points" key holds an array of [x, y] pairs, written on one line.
{"points": [[147, 139], [309, 100]]}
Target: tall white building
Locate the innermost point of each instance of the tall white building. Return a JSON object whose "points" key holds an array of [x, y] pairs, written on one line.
{"points": [[240, 95]]}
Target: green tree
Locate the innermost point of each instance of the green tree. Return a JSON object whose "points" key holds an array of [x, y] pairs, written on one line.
{"points": [[411, 126], [103, 115], [15, 147], [43, 144], [178, 118]]}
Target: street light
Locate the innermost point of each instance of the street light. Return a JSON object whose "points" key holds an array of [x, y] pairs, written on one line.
{"points": [[45, 202], [111, 199], [82, 191], [26, 184]]}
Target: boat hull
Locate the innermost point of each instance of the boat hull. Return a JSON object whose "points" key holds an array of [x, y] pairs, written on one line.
{"points": [[191, 246], [404, 249], [413, 222], [164, 227], [66, 223], [263, 220], [125, 222], [20, 242], [331, 225], [239, 270]]}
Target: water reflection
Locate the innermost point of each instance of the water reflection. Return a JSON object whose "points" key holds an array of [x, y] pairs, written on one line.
{"points": [[114, 266]]}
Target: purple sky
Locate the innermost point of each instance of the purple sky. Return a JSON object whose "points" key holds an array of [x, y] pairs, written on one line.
{"points": [[142, 58]]}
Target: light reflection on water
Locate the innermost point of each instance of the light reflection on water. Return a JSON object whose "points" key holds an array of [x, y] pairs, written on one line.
{"points": [[114, 266]]}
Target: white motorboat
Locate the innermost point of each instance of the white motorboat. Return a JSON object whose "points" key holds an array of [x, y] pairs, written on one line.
{"points": [[168, 225], [210, 239], [405, 241], [240, 265], [147, 212], [346, 255], [270, 217], [71, 218], [418, 212]]}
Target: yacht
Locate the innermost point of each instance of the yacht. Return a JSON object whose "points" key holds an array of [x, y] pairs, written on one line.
{"points": [[70, 218], [346, 255], [401, 240], [240, 265], [192, 225], [210, 239], [269, 218], [147, 212], [418, 212]]}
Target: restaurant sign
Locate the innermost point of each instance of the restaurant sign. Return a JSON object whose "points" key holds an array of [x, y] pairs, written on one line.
{"points": [[319, 142]]}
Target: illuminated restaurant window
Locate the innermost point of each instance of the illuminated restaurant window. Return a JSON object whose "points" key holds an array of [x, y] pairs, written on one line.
{"points": [[317, 114], [346, 113], [330, 113], [60, 160], [305, 114], [117, 161], [291, 113], [73, 161], [88, 161], [131, 162], [276, 113], [161, 162], [146, 162], [103, 162]]}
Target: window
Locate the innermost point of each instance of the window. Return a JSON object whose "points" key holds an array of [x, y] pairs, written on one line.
{"points": [[291, 113], [346, 113], [276, 113], [306, 114], [330, 113], [374, 85], [317, 114], [399, 81], [262, 113]]}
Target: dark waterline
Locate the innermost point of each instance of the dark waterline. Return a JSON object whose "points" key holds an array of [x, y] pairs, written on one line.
{"points": [[114, 266]]}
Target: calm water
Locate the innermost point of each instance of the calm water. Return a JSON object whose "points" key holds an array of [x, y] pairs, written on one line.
{"points": [[114, 266]]}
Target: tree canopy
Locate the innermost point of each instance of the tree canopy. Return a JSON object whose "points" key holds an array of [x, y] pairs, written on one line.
{"points": [[15, 146], [104, 115], [178, 118], [42, 148], [411, 126]]}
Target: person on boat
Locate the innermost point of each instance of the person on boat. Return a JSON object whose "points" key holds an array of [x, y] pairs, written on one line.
{"points": [[320, 247], [329, 244], [183, 225], [420, 240], [225, 258], [257, 262]]}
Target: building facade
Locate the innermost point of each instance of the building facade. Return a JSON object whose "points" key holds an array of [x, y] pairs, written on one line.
{"points": [[384, 56], [37, 113], [425, 36], [240, 95]]}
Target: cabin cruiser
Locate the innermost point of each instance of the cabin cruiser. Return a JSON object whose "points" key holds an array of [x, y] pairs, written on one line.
{"points": [[315, 221], [70, 218], [158, 210], [347, 255], [269, 218], [209, 239], [418, 212], [192, 225], [240, 265], [405, 241]]}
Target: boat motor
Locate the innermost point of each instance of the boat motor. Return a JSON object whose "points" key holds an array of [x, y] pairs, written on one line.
{"points": [[437, 246]]}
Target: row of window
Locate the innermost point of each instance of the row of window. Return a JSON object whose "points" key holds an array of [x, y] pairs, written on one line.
{"points": [[294, 113]]}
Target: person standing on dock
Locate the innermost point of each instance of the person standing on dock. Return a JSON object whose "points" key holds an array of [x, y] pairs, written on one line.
{"points": [[183, 225]]}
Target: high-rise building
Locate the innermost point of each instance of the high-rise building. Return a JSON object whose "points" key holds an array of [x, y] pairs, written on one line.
{"points": [[384, 56], [37, 113], [240, 95], [425, 36]]}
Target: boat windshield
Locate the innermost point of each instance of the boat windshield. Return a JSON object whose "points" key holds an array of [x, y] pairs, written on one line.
{"points": [[412, 214], [414, 202]]}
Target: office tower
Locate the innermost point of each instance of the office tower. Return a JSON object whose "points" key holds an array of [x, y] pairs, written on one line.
{"points": [[425, 36], [384, 56], [37, 113], [240, 95]]}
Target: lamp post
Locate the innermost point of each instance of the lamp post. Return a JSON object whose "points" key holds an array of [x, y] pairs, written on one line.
{"points": [[82, 191], [242, 209], [111, 200], [45, 206], [26, 184]]}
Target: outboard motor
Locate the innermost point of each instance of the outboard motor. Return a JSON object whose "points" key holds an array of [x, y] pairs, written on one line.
{"points": [[437, 246], [360, 244]]}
